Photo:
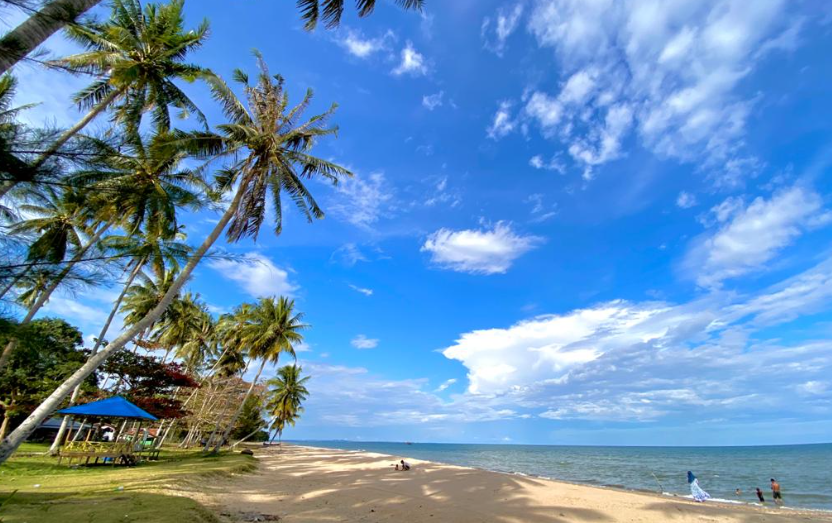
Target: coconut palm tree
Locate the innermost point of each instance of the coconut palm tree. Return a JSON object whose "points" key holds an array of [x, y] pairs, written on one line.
{"points": [[26, 37], [272, 329], [55, 226], [183, 319], [57, 13], [330, 11], [135, 56], [287, 392], [270, 153], [140, 250]]}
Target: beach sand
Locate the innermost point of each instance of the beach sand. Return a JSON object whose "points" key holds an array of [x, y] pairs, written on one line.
{"points": [[304, 484]]}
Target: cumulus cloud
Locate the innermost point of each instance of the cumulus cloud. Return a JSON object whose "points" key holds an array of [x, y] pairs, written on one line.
{"points": [[668, 73], [495, 32], [362, 342], [432, 101], [359, 46], [412, 62], [627, 361], [257, 275], [478, 251], [749, 237], [502, 124], [362, 200]]}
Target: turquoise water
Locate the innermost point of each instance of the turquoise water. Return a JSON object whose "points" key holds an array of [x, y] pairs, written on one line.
{"points": [[804, 471]]}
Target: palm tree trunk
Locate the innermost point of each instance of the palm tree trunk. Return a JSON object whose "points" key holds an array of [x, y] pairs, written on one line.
{"points": [[26, 37], [14, 281], [77, 390], [252, 434], [44, 296], [72, 131], [236, 415], [48, 406]]}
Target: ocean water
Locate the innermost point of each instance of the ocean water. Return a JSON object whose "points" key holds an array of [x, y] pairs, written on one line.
{"points": [[804, 471]]}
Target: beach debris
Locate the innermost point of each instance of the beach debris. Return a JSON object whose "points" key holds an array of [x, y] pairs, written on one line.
{"points": [[247, 452], [255, 516], [37, 485]]}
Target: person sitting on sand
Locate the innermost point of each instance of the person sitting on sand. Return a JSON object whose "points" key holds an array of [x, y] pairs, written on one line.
{"points": [[760, 495], [695, 490], [405, 465]]}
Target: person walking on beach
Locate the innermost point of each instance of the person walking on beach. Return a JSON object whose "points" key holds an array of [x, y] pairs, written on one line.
{"points": [[775, 492], [760, 495], [695, 490]]}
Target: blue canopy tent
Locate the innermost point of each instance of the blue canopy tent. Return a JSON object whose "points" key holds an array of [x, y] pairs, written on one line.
{"points": [[115, 407]]}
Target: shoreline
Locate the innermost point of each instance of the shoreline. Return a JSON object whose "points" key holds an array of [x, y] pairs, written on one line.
{"points": [[619, 488], [300, 483]]}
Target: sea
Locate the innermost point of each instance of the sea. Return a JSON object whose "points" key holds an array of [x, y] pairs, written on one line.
{"points": [[803, 471]]}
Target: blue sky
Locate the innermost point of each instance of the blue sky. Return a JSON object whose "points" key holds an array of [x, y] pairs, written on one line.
{"points": [[587, 222]]}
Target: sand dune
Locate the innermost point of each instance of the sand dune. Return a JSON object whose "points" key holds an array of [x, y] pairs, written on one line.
{"points": [[303, 484]]}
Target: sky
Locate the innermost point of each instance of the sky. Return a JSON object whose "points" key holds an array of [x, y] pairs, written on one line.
{"points": [[571, 222]]}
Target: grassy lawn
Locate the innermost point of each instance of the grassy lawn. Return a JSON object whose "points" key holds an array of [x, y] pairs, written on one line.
{"points": [[47, 492]]}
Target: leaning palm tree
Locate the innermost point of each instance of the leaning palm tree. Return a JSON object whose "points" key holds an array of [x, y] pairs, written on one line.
{"points": [[135, 56], [286, 394], [57, 13], [270, 153], [139, 250], [273, 328]]}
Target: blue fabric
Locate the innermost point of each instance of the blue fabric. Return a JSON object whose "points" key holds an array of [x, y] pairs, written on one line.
{"points": [[115, 407], [691, 477]]}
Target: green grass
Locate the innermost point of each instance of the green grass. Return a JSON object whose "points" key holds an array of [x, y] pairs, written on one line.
{"points": [[105, 494]]}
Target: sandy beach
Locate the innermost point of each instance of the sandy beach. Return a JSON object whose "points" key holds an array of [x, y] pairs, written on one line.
{"points": [[304, 484]]}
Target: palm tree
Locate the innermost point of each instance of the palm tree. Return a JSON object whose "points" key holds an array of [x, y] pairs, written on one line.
{"points": [[272, 329], [330, 11], [57, 13], [286, 394], [55, 224], [183, 319], [12, 132], [141, 250], [26, 37], [270, 155], [135, 56]]}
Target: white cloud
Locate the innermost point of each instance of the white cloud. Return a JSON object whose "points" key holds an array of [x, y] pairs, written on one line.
{"points": [[362, 199], [483, 251], [360, 47], [502, 123], [554, 164], [754, 235], [505, 23], [686, 200], [362, 342], [412, 62], [348, 255], [668, 71], [432, 101], [257, 275], [440, 193], [540, 211], [445, 385], [362, 290]]}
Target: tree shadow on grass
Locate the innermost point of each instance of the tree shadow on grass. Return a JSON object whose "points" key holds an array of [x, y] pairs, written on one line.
{"points": [[103, 508]]}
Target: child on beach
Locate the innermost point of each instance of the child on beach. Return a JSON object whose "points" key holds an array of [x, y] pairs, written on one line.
{"points": [[760, 495]]}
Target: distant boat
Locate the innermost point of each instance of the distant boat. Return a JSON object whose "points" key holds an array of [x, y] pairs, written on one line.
{"points": [[408, 443]]}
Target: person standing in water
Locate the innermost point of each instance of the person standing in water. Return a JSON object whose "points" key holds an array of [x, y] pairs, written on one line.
{"points": [[695, 490], [775, 492], [760, 495]]}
